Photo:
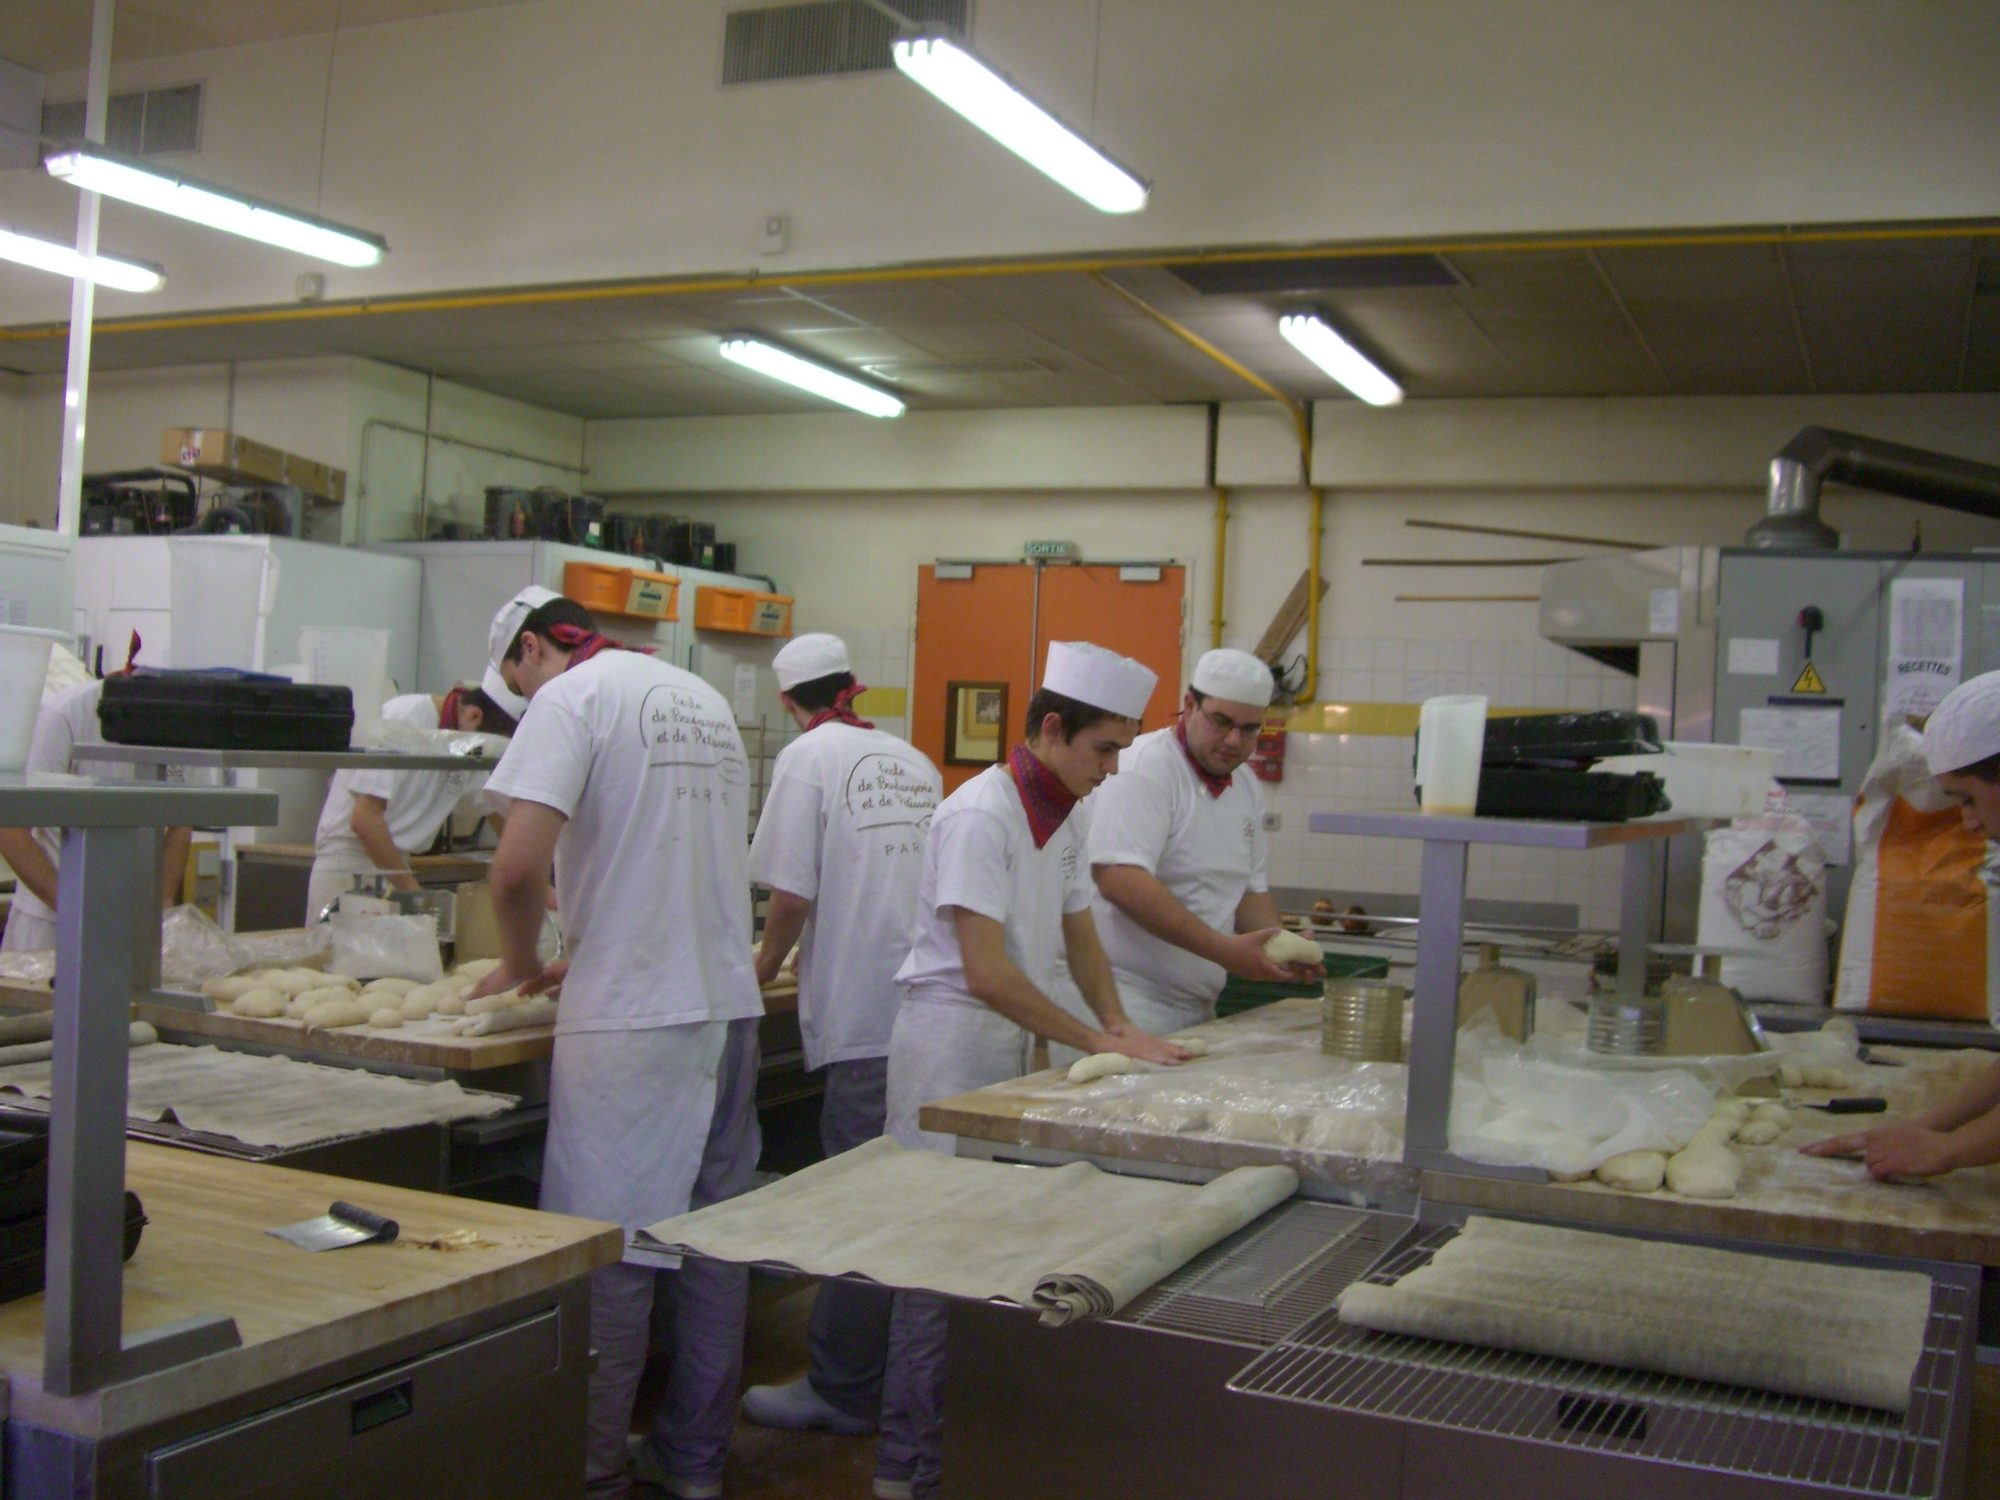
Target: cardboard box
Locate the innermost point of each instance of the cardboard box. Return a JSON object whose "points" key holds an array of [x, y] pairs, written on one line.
{"points": [[215, 453]]}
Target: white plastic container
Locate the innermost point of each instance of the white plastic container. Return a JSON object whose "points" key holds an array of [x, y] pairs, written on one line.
{"points": [[24, 666], [356, 657], [1707, 781], [1451, 742]]}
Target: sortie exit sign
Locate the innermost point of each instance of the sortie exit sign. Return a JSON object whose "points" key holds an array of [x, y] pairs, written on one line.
{"points": [[1049, 549]]}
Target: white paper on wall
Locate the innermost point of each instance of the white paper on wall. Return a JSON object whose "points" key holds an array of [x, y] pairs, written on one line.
{"points": [[1926, 643]]}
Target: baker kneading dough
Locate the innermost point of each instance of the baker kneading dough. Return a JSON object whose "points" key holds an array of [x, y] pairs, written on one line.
{"points": [[1101, 1065], [1287, 947]]}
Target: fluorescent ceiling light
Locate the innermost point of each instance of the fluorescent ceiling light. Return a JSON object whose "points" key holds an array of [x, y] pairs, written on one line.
{"points": [[807, 375], [1314, 337], [105, 270], [963, 83], [96, 171]]}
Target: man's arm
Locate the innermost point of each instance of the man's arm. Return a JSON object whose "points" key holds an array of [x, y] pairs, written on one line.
{"points": [[784, 920], [994, 979], [520, 882], [173, 864], [1091, 970], [30, 865], [370, 823], [1144, 898], [1258, 912], [1963, 1131]]}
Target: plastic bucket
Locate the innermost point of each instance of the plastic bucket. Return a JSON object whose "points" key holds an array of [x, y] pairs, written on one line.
{"points": [[356, 657], [1451, 742], [24, 667]]}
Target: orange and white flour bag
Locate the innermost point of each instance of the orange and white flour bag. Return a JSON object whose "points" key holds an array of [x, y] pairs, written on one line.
{"points": [[1922, 935]]}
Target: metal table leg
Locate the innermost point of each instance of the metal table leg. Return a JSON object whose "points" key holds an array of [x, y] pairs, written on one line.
{"points": [[105, 893], [1434, 1024]]}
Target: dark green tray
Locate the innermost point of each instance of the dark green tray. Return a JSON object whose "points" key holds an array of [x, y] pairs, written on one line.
{"points": [[1247, 994]]}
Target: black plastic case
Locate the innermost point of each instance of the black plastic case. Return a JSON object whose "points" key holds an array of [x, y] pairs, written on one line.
{"points": [[225, 711]]}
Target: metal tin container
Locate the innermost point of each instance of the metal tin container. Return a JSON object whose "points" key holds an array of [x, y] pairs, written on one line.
{"points": [[1627, 1028], [1362, 1020]]}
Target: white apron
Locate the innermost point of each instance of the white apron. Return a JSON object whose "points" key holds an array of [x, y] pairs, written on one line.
{"points": [[629, 1114], [941, 1047], [27, 933]]}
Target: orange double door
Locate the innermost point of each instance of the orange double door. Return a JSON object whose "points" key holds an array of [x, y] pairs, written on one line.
{"points": [[983, 633]]}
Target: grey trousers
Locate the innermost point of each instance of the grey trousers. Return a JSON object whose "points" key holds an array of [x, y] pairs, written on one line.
{"points": [[911, 1445], [849, 1332], [707, 1301]]}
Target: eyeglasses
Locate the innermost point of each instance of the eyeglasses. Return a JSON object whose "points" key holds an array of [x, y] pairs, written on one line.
{"points": [[1225, 726]]}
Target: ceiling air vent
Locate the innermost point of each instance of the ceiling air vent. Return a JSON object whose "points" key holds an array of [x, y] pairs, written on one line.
{"points": [[822, 38], [1304, 274], [153, 123]]}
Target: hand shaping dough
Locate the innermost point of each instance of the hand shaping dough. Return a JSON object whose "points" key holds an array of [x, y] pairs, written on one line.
{"points": [[331, 1013], [1193, 1046], [1284, 947], [387, 1016], [1634, 1171], [261, 1004], [1102, 1065], [504, 1000]]}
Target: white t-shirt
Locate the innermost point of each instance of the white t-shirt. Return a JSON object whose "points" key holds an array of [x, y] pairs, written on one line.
{"points": [[418, 801], [1209, 851], [644, 761], [982, 857], [843, 826], [67, 720]]}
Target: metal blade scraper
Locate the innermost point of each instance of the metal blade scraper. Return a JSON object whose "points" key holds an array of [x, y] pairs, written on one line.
{"points": [[341, 1225]]}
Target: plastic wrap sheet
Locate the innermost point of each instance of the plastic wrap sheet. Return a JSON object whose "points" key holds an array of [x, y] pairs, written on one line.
{"points": [[386, 947], [1070, 1241], [28, 966], [284, 948], [193, 949]]}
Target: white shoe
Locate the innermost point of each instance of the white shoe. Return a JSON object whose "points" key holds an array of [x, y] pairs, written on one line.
{"points": [[892, 1489], [799, 1407], [645, 1467]]}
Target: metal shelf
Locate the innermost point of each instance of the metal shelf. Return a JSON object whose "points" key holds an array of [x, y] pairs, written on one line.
{"points": [[107, 948], [1441, 935], [164, 757]]}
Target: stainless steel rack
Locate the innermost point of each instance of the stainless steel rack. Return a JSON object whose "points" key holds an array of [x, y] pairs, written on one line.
{"points": [[107, 934], [1440, 938]]}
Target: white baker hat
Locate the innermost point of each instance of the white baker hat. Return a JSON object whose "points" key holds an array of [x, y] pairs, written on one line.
{"points": [[806, 658], [1103, 679], [1235, 676], [500, 635], [1965, 728]]}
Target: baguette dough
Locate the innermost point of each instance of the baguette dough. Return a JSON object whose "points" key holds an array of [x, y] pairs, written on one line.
{"points": [[535, 1012], [450, 1002], [1287, 947], [1102, 1065], [388, 1016], [1634, 1171], [332, 1013], [262, 1003], [396, 987], [231, 989], [504, 1000], [1193, 1046]]}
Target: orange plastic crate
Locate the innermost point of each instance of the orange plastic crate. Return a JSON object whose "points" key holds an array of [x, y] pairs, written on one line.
{"points": [[606, 590], [745, 611]]}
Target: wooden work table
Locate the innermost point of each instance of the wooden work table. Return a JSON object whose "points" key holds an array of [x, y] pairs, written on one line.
{"points": [[1785, 1198], [205, 1251], [433, 869]]}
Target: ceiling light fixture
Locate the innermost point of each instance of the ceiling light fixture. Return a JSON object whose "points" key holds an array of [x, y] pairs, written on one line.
{"points": [[63, 260], [809, 375], [95, 170], [961, 82], [1313, 336]]}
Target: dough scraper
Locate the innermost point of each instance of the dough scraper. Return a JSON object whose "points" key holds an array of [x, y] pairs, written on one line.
{"points": [[341, 1225]]}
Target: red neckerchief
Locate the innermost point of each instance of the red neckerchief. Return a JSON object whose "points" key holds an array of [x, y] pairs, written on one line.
{"points": [[583, 644], [448, 710], [1045, 799], [1216, 785], [843, 710]]}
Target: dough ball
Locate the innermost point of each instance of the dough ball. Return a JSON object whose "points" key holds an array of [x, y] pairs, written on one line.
{"points": [[396, 987], [1193, 1046], [323, 993], [231, 989], [1634, 1171], [1286, 947], [419, 1003], [1760, 1132], [1733, 1109], [1097, 1065], [328, 1014], [1772, 1109], [477, 968], [1705, 1170], [289, 981], [262, 1003], [388, 1016], [450, 1002]]}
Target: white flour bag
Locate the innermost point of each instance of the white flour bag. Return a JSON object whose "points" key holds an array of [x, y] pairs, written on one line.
{"points": [[1763, 888]]}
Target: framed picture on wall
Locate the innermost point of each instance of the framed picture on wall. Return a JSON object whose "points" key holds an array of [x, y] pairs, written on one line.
{"points": [[975, 723]]}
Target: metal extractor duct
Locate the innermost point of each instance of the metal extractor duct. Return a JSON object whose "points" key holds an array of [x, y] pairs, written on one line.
{"points": [[1816, 454]]}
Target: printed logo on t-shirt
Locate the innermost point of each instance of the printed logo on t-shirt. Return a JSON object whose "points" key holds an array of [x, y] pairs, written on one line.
{"points": [[1249, 832], [885, 792], [1069, 862], [679, 729]]}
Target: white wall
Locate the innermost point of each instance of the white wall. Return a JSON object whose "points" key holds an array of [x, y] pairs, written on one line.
{"points": [[562, 140]]}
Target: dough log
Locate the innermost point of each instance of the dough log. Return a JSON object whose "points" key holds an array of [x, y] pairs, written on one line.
{"points": [[1102, 1065], [1286, 947]]}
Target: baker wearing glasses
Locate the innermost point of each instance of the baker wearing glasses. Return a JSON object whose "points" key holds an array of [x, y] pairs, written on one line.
{"points": [[1178, 851]]}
